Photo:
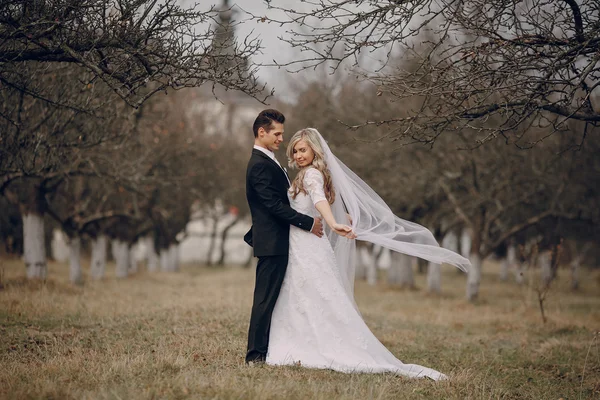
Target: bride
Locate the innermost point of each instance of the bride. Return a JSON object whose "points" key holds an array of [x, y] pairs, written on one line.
{"points": [[316, 322]]}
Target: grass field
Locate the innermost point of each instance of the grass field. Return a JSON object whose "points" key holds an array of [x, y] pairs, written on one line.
{"points": [[183, 335]]}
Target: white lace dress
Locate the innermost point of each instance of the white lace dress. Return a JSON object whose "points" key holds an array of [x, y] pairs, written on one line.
{"points": [[314, 323]]}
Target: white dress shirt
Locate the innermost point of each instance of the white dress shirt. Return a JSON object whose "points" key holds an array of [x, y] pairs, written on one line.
{"points": [[271, 155]]}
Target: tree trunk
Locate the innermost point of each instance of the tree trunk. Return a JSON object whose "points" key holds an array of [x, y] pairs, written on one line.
{"points": [[466, 242], [34, 249], [224, 239], [98, 262], [422, 266], [474, 277], [133, 262], [368, 263], [434, 278], [250, 259], [360, 272], [401, 271], [164, 260], [120, 251], [519, 273], [213, 241], [575, 265], [504, 269], [151, 255], [545, 262], [514, 263], [174, 257], [75, 274]]}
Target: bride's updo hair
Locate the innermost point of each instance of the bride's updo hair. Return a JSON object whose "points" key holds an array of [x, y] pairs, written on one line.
{"points": [[310, 136]]}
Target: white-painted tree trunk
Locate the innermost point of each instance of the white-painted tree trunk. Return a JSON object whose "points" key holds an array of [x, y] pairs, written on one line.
{"points": [[33, 246], [519, 273], [401, 270], [133, 262], [545, 263], [164, 259], [434, 278], [575, 265], [366, 266], [474, 278], [151, 255], [465, 243], [174, 257], [450, 241], [98, 262], [360, 271], [75, 272], [504, 264], [515, 264], [120, 251]]}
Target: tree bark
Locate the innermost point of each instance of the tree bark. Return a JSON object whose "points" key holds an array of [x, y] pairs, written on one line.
{"points": [[401, 271], [133, 262], [165, 259], [504, 269], [250, 259], [75, 273], [514, 263], [422, 266], [519, 273], [151, 255], [224, 240], [98, 262], [34, 249], [434, 278], [369, 264], [465, 243], [213, 241], [474, 277], [545, 262], [120, 251], [575, 265], [360, 272], [174, 257]]}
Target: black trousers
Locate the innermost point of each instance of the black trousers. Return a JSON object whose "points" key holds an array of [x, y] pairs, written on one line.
{"points": [[270, 272]]}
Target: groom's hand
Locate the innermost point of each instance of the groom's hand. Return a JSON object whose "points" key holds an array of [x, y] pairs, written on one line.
{"points": [[317, 228]]}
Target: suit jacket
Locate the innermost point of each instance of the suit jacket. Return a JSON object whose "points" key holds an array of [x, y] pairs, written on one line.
{"points": [[266, 192]]}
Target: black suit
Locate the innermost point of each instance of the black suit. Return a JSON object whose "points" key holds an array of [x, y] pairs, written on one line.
{"points": [[266, 192]]}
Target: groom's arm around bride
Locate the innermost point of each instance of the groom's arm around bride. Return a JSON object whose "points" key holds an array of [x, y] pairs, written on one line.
{"points": [[266, 191]]}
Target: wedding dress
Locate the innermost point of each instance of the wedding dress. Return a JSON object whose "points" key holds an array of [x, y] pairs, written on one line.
{"points": [[315, 322]]}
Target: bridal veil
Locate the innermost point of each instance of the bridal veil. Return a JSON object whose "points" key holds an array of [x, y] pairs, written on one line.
{"points": [[373, 221]]}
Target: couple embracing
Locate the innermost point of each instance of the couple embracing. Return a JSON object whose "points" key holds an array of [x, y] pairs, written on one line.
{"points": [[304, 311]]}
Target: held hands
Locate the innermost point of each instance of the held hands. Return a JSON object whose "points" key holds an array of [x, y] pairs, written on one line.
{"points": [[344, 230]]}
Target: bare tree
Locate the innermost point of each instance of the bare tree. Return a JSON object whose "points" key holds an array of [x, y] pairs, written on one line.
{"points": [[125, 44], [533, 63], [495, 192]]}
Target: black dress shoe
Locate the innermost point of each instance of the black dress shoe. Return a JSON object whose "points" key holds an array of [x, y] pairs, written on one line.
{"points": [[256, 361]]}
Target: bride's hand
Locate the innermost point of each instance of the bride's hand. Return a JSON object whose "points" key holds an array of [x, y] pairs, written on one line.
{"points": [[344, 230]]}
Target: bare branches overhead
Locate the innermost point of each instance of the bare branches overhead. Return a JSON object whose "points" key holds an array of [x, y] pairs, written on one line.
{"points": [[137, 48], [522, 64]]}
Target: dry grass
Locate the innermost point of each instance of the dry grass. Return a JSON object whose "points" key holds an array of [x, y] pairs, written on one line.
{"points": [[183, 335]]}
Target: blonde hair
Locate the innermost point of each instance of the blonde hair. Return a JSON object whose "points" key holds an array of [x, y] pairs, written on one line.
{"points": [[311, 138]]}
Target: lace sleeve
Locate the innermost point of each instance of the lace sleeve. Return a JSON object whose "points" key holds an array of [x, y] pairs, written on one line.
{"points": [[313, 183]]}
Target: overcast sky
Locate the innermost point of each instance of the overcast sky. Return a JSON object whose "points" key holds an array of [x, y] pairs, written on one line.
{"points": [[273, 48]]}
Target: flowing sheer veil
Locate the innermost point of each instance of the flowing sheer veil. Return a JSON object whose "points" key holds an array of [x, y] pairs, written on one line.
{"points": [[373, 221]]}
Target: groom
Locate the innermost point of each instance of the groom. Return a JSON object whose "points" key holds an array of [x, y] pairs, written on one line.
{"points": [[266, 191]]}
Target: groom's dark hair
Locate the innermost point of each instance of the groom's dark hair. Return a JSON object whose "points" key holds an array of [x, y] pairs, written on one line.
{"points": [[265, 118]]}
